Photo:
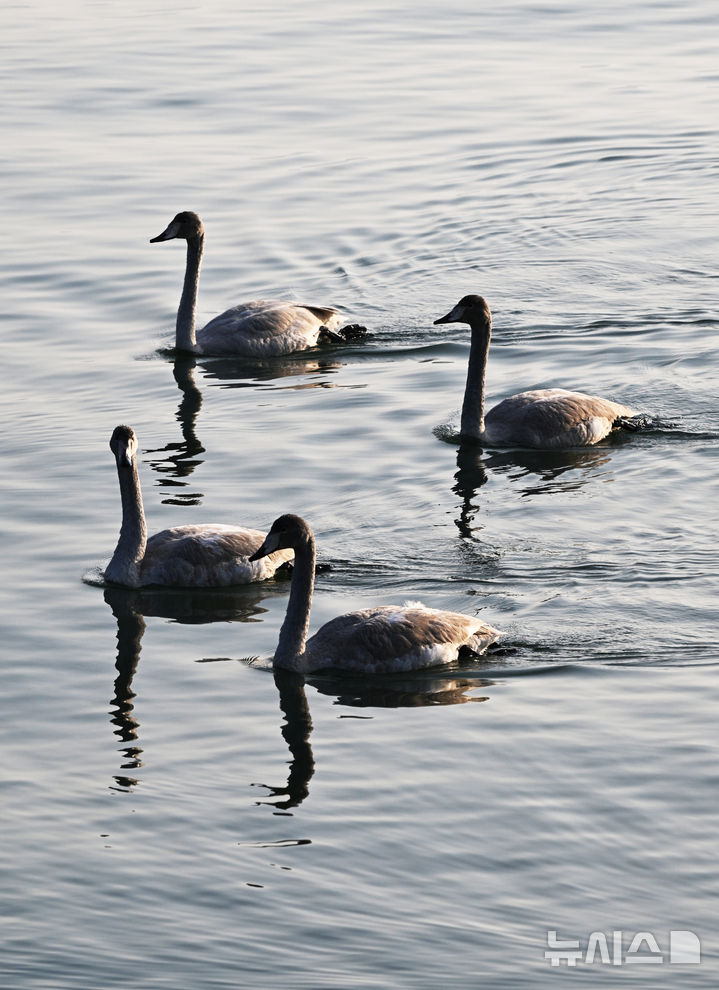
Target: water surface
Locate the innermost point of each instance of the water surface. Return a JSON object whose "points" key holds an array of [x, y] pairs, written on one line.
{"points": [[174, 815]]}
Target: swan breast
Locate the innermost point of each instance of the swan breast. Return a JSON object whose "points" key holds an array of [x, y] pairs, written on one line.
{"points": [[207, 556], [266, 328], [552, 417], [393, 638]]}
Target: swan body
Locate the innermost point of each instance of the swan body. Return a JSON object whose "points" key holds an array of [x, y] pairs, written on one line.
{"points": [[184, 556], [261, 328], [547, 418], [382, 640]]}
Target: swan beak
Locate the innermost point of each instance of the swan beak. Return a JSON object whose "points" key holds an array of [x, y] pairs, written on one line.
{"points": [[126, 454], [167, 234], [454, 316], [272, 543]]}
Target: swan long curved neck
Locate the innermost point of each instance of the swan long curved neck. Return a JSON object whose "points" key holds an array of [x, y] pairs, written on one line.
{"points": [[472, 423], [290, 652], [130, 550], [185, 339]]}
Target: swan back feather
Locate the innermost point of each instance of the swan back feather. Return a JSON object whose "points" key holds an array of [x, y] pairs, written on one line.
{"points": [[552, 417], [395, 638], [265, 328], [207, 556]]}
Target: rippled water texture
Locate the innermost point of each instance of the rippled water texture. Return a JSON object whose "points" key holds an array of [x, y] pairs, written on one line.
{"points": [[173, 814]]}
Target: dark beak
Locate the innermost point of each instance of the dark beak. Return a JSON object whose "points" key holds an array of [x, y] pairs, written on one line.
{"points": [[166, 235], [259, 553], [270, 544]]}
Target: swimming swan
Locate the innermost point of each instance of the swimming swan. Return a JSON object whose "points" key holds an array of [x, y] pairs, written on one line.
{"points": [[546, 417], [183, 557], [261, 328], [372, 641]]}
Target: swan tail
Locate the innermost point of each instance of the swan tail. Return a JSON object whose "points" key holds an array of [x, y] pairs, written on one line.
{"points": [[326, 314], [477, 644]]}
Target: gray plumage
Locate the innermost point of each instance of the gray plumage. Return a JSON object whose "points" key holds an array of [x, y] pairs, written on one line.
{"points": [[261, 328], [211, 555], [545, 418], [381, 640]]}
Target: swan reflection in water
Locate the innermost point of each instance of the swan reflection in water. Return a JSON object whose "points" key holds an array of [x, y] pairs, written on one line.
{"points": [[178, 459], [296, 730], [234, 373], [182, 457], [353, 692], [130, 630], [131, 606], [431, 687], [536, 472], [188, 606], [400, 691]]}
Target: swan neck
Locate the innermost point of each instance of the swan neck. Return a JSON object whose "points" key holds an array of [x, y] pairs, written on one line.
{"points": [[124, 568], [185, 339], [472, 424], [290, 653]]}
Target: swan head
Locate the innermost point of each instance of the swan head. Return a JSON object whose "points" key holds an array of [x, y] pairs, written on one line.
{"points": [[287, 532], [123, 444], [470, 309], [186, 225]]}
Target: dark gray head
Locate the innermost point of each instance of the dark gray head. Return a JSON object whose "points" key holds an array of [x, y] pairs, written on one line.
{"points": [[470, 309], [287, 532], [186, 225], [123, 444]]}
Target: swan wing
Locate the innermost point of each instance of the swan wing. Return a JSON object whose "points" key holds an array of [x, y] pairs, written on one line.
{"points": [[263, 328], [395, 638], [552, 417], [207, 556]]}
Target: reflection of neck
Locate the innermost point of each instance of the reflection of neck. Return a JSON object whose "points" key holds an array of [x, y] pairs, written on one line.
{"points": [[191, 403], [125, 564], [130, 627], [185, 326], [296, 732], [469, 478], [293, 634], [472, 424]]}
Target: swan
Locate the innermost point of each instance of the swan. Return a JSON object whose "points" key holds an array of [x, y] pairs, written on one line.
{"points": [[261, 328], [378, 640], [182, 557], [545, 417]]}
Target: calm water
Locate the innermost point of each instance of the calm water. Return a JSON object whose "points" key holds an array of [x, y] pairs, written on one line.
{"points": [[175, 817]]}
